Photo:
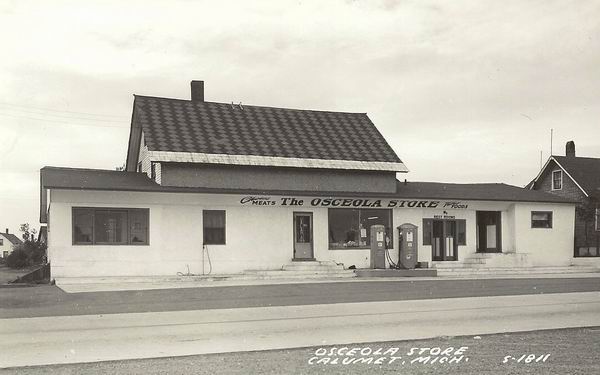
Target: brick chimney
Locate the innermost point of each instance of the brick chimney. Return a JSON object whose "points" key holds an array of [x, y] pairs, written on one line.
{"points": [[570, 149], [6, 230], [197, 91]]}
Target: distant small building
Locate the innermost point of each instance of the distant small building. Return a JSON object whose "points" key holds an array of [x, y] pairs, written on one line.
{"points": [[576, 178], [7, 242]]}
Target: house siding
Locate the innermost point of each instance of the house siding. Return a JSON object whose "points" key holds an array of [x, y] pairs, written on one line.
{"points": [[273, 178], [585, 233]]}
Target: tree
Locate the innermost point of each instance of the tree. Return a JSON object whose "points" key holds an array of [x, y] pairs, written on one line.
{"points": [[28, 253], [27, 232]]}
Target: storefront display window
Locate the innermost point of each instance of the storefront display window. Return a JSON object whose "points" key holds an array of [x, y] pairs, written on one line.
{"points": [[110, 226], [351, 228]]}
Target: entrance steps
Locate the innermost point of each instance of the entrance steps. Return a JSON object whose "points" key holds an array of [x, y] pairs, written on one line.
{"points": [[294, 271], [467, 270], [488, 260], [502, 264], [304, 270]]}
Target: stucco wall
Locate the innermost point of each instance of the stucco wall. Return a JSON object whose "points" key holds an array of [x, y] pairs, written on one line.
{"points": [[261, 237], [272, 178], [545, 246]]}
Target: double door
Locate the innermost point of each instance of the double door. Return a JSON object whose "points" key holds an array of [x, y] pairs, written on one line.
{"points": [[443, 240]]}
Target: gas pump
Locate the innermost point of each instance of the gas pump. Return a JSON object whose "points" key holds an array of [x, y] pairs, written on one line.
{"points": [[408, 252], [377, 246]]}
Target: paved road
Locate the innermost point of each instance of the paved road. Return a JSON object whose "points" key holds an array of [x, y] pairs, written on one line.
{"points": [[88, 338], [51, 301]]}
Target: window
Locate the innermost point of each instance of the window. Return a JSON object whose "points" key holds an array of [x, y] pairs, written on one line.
{"points": [[597, 219], [5, 254], [110, 226], [557, 180], [1, 241], [461, 231], [541, 219], [213, 227], [351, 228]]}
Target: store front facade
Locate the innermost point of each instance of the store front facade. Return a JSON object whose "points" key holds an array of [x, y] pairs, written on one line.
{"points": [[123, 233]]}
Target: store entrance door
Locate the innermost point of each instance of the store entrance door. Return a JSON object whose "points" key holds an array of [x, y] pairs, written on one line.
{"points": [[303, 236], [488, 232], [443, 240]]}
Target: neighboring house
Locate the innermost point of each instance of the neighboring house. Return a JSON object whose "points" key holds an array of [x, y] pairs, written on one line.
{"points": [[228, 188], [7, 242], [576, 178]]}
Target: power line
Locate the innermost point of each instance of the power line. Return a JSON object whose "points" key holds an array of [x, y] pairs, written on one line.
{"points": [[65, 123], [60, 111], [62, 116]]}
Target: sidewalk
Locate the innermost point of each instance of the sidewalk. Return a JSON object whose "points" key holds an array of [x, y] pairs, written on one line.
{"points": [[88, 338], [105, 285]]}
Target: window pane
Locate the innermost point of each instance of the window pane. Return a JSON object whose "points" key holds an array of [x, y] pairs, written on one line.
{"points": [[557, 180], [214, 227], [427, 229], [303, 229], [462, 232], [138, 227], [352, 228], [372, 217], [110, 227], [83, 223], [541, 219], [344, 228]]}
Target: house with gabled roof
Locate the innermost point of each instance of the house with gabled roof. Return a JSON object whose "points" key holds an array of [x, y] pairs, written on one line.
{"points": [[576, 178], [7, 243], [226, 188]]}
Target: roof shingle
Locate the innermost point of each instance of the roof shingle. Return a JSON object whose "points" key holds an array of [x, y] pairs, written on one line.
{"points": [[586, 171], [219, 128]]}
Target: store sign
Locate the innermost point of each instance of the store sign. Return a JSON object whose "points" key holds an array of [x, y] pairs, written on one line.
{"points": [[351, 202]]}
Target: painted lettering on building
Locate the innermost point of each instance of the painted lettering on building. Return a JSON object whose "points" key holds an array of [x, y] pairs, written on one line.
{"points": [[351, 202]]}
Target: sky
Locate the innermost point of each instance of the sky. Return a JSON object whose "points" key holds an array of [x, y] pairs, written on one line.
{"points": [[464, 91]]}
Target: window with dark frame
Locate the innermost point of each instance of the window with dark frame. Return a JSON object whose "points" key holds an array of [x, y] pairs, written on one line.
{"points": [[351, 228], [556, 180], [541, 219], [110, 226], [1, 241], [597, 219], [213, 225]]}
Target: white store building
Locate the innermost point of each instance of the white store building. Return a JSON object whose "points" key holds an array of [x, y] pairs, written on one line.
{"points": [[257, 188]]}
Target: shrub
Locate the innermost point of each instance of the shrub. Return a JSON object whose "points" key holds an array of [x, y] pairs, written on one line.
{"points": [[17, 259]]}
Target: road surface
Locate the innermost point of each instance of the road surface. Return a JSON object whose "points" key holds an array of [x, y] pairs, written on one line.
{"points": [[99, 337]]}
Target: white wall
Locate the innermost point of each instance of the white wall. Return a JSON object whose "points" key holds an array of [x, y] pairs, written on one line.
{"points": [[545, 246], [262, 237], [6, 246]]}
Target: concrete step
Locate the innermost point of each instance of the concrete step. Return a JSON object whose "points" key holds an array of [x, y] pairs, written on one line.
{"points": [[305, 266], [299, 272], [294, 276], [246, 276], [462, 271]]}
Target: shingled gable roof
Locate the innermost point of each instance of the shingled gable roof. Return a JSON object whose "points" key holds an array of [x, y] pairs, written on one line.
{"points": [[584, 171], [209, 132], [12, 238]]}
